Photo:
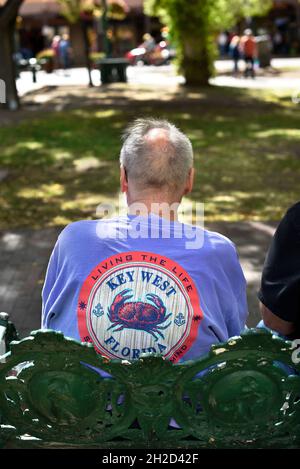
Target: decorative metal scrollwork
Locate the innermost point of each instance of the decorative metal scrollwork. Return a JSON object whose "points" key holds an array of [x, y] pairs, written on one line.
{"points": [[55, 391]]}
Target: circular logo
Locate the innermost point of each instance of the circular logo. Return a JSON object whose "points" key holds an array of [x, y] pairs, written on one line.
{"points": [[139, 302]]}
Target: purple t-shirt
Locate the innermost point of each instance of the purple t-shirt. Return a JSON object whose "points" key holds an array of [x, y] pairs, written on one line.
{"points": [[133, 285]]}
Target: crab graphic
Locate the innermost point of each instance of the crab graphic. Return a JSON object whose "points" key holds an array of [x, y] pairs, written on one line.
{"points": [[146, 317]]}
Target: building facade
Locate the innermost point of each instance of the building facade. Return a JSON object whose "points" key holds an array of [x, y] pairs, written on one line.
{"points": [[40, 20]]}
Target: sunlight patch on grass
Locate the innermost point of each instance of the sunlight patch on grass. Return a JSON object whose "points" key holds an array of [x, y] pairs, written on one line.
{"points": [[284, 97], [224, 198], [22, 146], [60, 155], [86, 113], [105, 114], [60, 220], [195, 95], [185, 116], [91, 202], [44, 191], [87, 163], [30, 145], [293, 133], [82, 201], [196, 134]]}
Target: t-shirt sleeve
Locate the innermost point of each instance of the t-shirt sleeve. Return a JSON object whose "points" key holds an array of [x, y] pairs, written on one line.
{"points": [[280, 285], [47, 293], [239, 307]]}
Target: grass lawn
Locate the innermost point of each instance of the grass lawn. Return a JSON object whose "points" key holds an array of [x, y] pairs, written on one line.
{"points": [[63, 164]]}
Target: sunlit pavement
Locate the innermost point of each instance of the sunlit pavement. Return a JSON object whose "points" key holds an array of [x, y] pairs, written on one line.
{"points": [[164, 76]]}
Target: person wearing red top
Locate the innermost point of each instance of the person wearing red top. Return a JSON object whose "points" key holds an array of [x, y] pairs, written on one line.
{"points": [[248, 49]]}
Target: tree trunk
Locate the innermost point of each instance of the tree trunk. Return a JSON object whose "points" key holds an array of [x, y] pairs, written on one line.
{"points": [[87, 60], [297, 7], [197, 62], [76, 39], [195, 41], [8, 15], [7, 67]]}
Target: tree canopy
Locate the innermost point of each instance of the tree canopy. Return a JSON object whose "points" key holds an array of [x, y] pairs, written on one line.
{"points": [[114, 9]]}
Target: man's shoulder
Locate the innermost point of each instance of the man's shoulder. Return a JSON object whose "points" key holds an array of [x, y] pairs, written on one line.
{"points": [[293, 215], [218, 241], [290, 223], [77, 226], [217, 246], [87, 228], [77, 229]]}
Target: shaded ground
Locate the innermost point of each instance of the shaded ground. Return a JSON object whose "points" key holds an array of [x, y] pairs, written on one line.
{"points": [[25, 254]]}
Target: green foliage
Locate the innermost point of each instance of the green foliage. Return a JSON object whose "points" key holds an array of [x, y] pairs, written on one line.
{"points": [[117, 10], [45, 54], [193, 26], [221, 14], [71, 9]]}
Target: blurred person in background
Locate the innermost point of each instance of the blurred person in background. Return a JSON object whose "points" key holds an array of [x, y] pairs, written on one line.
{"points": [[64, 51], [234, 49], [248, 49], [222, 43], [55, 47]]}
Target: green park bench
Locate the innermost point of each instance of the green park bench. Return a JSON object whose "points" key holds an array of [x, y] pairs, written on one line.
{"points": [[50, 398]]}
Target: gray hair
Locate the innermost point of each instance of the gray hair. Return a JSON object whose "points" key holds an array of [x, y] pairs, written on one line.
{"points": [[152, 165]]}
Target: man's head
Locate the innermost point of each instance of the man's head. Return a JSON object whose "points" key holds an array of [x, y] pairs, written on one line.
{"points": [[156, 162]]}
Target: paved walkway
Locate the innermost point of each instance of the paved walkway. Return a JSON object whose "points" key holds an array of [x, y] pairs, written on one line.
{"points": [[24, 256], [165, 76]]}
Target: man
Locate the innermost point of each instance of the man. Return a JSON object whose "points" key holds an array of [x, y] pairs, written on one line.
{"points": [[280, 287], [137, 283], [248, 49]]}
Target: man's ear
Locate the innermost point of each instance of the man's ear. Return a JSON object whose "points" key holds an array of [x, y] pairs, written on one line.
{"points": [[123, 179], [190, 181]]}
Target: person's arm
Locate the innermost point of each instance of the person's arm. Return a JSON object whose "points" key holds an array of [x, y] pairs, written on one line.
{"points": [[241, 45], [280, 286], [272, 321], [237, 310]]}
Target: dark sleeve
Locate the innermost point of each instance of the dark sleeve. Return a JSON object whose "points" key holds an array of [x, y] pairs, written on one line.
{"points": [[280, 285]]}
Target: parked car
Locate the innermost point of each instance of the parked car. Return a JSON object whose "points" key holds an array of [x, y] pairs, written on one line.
{"points": [[161, 54]]}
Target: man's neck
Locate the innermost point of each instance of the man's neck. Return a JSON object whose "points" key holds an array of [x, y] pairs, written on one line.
{"points": [[162, 208]]}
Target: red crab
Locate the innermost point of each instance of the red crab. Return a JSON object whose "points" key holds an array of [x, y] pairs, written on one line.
{"points": [[138, 315]]}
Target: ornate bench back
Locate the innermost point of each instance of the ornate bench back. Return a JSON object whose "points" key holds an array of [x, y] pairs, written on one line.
{"points": [[55, 391]]}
